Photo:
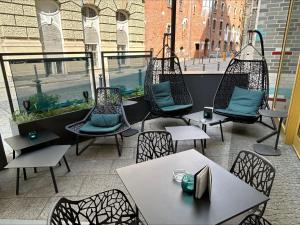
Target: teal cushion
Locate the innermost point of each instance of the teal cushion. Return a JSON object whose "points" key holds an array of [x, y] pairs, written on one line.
{"points": [[175, 107], [245, 101], [228, 112], [89, 128], [105, 120], [162, 94]]}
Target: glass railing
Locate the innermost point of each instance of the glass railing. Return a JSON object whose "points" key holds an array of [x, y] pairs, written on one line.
{"points": [[42, 85], [126, 71]]}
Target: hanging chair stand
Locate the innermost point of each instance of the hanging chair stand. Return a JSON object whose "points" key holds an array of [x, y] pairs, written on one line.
{"points": [[166, 69], [250, 74]]}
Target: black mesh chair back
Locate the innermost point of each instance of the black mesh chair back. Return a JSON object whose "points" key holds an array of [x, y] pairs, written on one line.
{"points": [[109, 207], [154, 144], [109, 101], [245, 73], [255, 171], [249, 74], [255, 220], [159, 70]]}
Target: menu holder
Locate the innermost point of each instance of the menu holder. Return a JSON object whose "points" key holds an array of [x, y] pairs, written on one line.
{"points": [[203, 183]]}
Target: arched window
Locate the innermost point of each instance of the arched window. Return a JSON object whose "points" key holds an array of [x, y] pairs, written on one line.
{"points": [[91, 32], [121, 16], [184, 24], [51, 32], [47, 6], [88, 12], [232, 33], [122, 30]]}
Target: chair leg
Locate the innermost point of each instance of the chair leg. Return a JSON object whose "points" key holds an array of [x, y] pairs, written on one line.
{"points": [[118, 145], [195, 144], [24, 174], [121, 137], [144, 120], [53, 179], [186, 122], [221, 129], [18, 181], [84, 148], [67, 165], [202, 146], [176, 142]]}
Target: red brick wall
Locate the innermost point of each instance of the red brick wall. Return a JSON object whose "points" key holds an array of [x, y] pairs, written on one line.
{"points": [[198, 29]]}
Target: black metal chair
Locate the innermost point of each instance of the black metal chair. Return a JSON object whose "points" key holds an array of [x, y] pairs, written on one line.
{"points": [[107, 101], [245, 73], [108, 207], [256, 171], [255, 220], [161, 70], [154, 144]]}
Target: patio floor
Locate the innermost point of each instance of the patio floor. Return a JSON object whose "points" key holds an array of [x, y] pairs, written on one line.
{"points": [[94, 171]]}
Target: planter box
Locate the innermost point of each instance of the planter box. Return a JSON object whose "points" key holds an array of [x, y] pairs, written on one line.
{"points": [[135, 113], [56, 124]]}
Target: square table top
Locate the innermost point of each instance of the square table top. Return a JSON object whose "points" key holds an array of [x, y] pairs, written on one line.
{"points": [[198, 117], [20, 142], [181, 133], [161, 200], [44, 157]]}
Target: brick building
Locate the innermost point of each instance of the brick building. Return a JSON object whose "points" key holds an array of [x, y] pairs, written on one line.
{"points": [[75, 25], [202, 26]]}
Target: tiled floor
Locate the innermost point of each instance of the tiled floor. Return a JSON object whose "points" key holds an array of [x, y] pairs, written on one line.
{"points": [[94, 171]]}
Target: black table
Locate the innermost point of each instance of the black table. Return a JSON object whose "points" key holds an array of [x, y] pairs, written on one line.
{"points": [[45, 157], [161, 201], [199, 118], [22, 143], [263, 149], [182, 133]]}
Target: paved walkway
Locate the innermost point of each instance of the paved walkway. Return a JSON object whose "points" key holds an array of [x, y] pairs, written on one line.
{"points": [[94, 171]]}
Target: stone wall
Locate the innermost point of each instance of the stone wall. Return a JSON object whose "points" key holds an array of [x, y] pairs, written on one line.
{"points": [[18, 22]]}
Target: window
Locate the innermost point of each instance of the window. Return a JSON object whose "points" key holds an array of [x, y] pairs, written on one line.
{"points": [[221, 28], [215, 6], [88, 12], [180, 5], [47, 6], [212, 45], [92, 48], [206, 6], [121, 16], [229, 9], [168, 28], [169, 2], [222, 8], [214, 24], [184, 24], [219, 44], [197, 46]]}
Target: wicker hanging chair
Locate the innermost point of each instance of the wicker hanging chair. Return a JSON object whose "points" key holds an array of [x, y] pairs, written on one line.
{"points": [[166, 69], [251, 74]]}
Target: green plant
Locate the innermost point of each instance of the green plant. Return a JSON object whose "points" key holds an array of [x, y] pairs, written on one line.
{"points": [[23, 117], [42, 102]]}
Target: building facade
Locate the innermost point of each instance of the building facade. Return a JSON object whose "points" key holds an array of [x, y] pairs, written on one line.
{"points": [[280, 24], [74, 25], [203, 27]]}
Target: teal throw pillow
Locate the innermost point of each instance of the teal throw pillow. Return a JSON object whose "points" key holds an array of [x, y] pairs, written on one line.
{"points": [[162, 94], [105, 120], [245, 101]]}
